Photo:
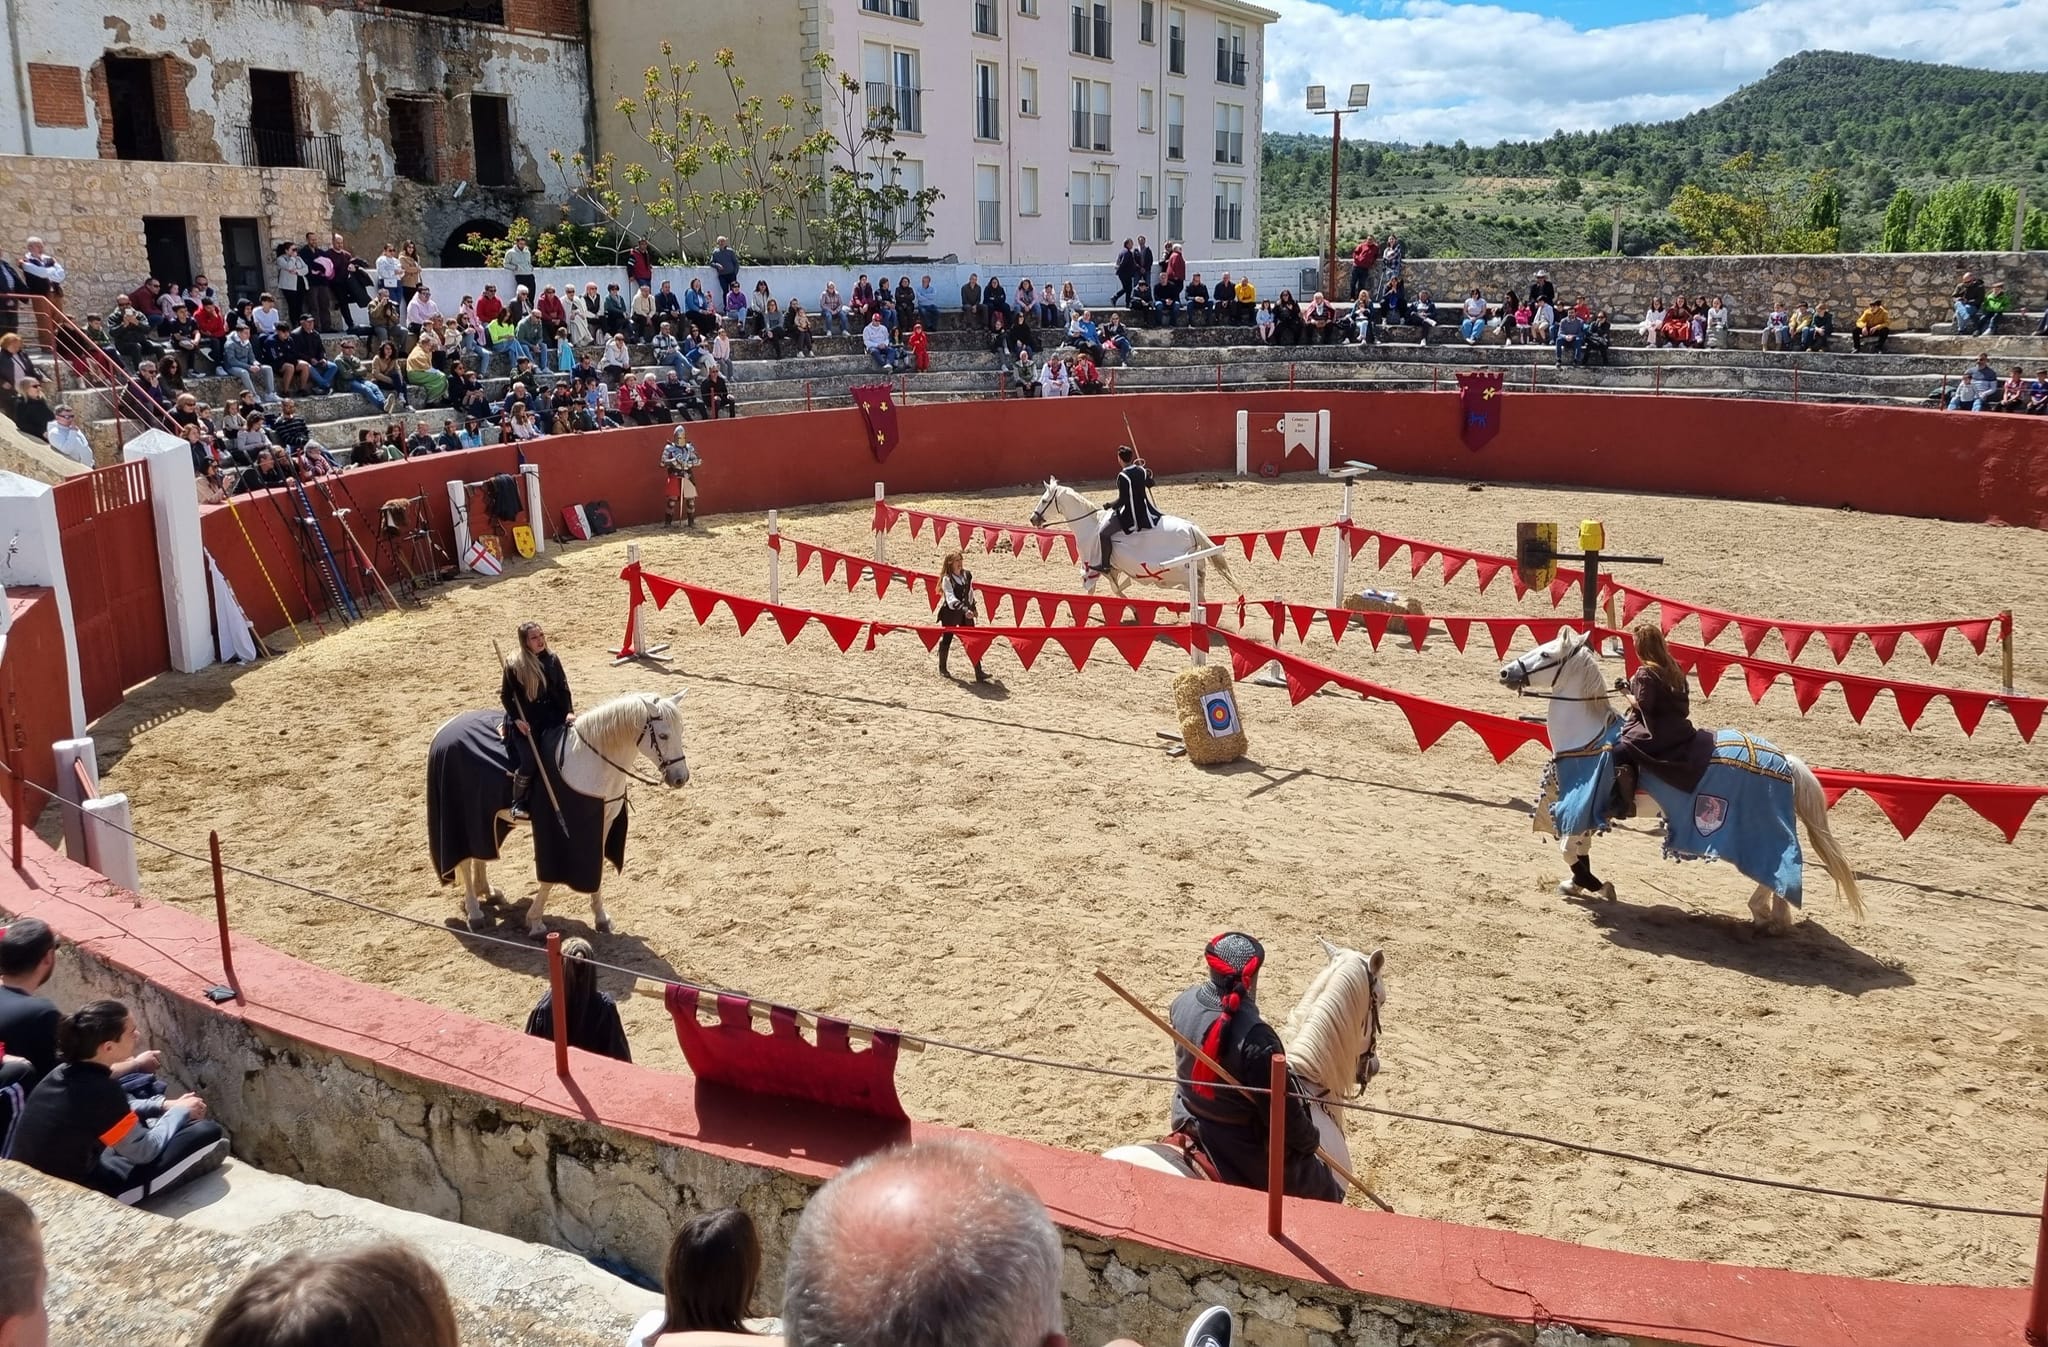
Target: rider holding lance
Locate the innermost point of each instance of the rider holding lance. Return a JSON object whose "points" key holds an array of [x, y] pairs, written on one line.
{"points": [[535, 693], [1134, 509], [1230, 1126]]}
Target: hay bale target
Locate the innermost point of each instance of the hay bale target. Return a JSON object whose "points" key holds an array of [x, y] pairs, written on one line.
{"points": [[1210, 726]]}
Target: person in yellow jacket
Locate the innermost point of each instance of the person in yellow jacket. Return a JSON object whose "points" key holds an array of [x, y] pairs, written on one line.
{"points": [[1873, 324], [1247, 299]]}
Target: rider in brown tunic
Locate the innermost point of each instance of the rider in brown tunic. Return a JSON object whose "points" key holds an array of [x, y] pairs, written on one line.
{"points": [[1658, 732]]}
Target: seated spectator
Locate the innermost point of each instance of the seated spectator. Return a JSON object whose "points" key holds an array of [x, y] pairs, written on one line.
{"points": [[770, 334], [1542, 322], [32, 411], [1223, 298], [721, 352], [2037, 394], [1084, 377], [65, 436], [267, 471], [875, 340], [450, 438], [1801, 320], [594, 1024], [1115, 338], [1996, 305], [1084, 336], [425, 385], [1247, 299], [668, 351], [1473, 325], [928, 305], [1514, 319], [2012, 397], [708, 1283], [718, 398], [972, 318], [1778, 329], [1422, 316], [24, 1279], [1874, 324], [1052, 380], [1652, 326], [1024, 373], [1196, 300], [353, 376], [641, 311], [640, 401], [682, 400], [1977, 389], [617, 360], [382, 1296], [288, 428], [1287, 320], [796, 329], [171, 371], [1318, 320], [1049, 312], [1265, 323], [1022, 336], [1968, 297], [1599, 336], [80, 1125], [832, 310], [1571, 336]]}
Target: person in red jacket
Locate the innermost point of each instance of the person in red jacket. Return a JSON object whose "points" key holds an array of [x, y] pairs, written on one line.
{"points": [[552, 315], [920, 347]]}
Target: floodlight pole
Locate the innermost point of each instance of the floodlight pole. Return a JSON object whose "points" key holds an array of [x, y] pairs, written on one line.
{"points": [[1336, 116]]}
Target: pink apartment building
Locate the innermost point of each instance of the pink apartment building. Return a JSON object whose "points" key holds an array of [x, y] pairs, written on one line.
{"points": [[1055, 128]]}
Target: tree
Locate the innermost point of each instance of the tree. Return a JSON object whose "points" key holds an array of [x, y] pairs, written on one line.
{"points": [[1898, 221], [1567, 189], [1599, 231], [1945, 221]]}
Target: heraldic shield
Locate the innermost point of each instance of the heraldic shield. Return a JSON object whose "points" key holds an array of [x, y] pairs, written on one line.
{"points": [[877, 403], [1479, 399]]}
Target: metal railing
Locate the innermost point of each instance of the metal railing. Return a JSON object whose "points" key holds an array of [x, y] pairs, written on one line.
{"points": [[1230, 147], [905, 104], [1176, 54], [1176, 141], [988, 118], [281, 147], [1230, 63], [1091, 31], [1090, 223], [75, 363], [1176, 220], [1229, 221]]}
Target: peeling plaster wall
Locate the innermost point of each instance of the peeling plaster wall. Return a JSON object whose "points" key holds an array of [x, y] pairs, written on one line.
{"points": [[348, 63]]}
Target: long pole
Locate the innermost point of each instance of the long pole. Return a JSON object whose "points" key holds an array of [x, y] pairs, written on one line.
{"points": [[2037, 1313], [1336, 138], [220, 913], [1194, 1050], [556, 985], [1276, 1141]]}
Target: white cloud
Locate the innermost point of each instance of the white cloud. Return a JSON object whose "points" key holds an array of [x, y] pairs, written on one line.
{"points": [[1443, 70]]}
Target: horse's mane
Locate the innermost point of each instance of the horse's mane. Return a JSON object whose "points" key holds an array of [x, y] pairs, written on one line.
{"points": [[1326, 1032], [613, 725]]}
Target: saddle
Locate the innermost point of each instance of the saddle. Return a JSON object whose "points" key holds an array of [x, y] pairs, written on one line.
{"points": [[1191, 1151]]}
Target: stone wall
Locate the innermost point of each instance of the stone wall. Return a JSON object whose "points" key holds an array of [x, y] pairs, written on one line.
{"points": [[89, 212], [1914, 286]]}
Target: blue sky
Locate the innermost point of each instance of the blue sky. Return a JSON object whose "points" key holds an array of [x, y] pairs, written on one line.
{"points": [[1487, 70]]}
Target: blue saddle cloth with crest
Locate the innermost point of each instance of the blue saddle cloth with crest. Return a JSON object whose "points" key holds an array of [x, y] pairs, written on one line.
{"points": [[1742, 812]]}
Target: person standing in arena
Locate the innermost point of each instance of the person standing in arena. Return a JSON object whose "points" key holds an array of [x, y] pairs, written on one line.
{"points": [[956, 607], [538, 704], [1222, 1015], [679, 460], [1134, 509]]}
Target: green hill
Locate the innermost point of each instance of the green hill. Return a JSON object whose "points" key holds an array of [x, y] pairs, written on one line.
{"points": [[1877, 125]]}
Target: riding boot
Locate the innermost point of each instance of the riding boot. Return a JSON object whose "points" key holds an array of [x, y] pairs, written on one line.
{"points": [[945, 649], [690, 514], [979, 675], [1624, 803], [522, 788]]}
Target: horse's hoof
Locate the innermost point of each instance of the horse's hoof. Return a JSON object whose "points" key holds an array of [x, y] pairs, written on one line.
{"points": [[604, 924], [477, 924], [497, 895], [537, 932]]}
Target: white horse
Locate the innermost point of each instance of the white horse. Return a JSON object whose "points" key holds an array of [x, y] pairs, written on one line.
{"points": [[1332, 1040], [1567, 672], [1135, 556], [592, 759]]}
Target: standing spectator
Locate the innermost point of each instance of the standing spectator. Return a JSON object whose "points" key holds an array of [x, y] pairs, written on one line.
{"points": [[319, 282], [518, 260], [1978, 388], [24, 1280], [81, 1126], [1127, 274], [726, 264], [972, 316], [408, 270], [43, 274], [389, 273], [292, 280], [382, 1296], [1874, 324], [594, 1022], [1364, 258], [1541, 291], [708, 1279], [920, 349], [1392, 256], [1172, 282], [640, 265]]}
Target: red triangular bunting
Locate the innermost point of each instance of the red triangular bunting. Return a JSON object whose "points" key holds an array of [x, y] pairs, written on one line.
{"points": [[1711, 625], [2005, 807], [1912, 701], [2026, 714], [1375, 627], [1453, 563], [745, 612], [1309, 536], [1248, 541], [1706, 666], [1503, 634], [1759, 680], [1078, 644], [1303, 678], [1930, 638], [1503, 736], [1389, 546], [804, 553], [1807, 687], [1906, 806], [1459, 628], [1670, 614], [1753, 634], [1418, 557], [1026, 646], [1045, 542], [1884, 642], [976, 643], [828, 565], [1073, 548], [1839, 640], [843, 630], [917, 524], [660, 588], [1976, 633], [882, 575], [1859, 693], [703, 603], [1969, 708], [790, 620], [1356, 539], [1561, 587], [1131, 643], [1633, 601], [1303, 617], [1795, 638], [1276, 539], [1429, 720], [1488, 569], [1340, 622]]}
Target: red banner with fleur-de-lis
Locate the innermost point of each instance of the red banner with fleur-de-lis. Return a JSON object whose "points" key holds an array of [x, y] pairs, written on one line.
{"points": [[877, 403], [1479, 399]]}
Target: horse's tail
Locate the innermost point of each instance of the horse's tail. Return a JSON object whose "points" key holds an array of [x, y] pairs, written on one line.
{"points": [[1810, 802], [1218, 564]]}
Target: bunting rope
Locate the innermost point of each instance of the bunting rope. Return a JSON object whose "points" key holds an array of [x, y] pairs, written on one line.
{"points": [[1905, 801], [1839, 637]]}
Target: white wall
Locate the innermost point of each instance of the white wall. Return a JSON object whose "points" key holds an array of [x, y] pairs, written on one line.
{"points": [[28, 529], [1095, 282]]}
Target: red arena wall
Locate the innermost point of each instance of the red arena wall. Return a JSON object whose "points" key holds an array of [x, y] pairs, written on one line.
{"points": [[35, 689]]}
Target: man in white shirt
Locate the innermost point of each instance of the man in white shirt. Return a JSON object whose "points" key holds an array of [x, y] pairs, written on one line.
{"points": [[875, 337], [266, 316], [40, 271], [422, 310], [67, 439], [1052, 380], [389, 270]]}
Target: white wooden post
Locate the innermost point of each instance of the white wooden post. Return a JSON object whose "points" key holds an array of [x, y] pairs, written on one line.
{"points": [[109, 847], [636, 643], [65, 752], [1340, 556], [774, 559], [1244, 442], [1196, 655], [881, 535], [1323, 441], [536, 523], [458, 509]]}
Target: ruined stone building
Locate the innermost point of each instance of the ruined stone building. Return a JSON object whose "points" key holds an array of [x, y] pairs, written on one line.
{"points": [[174, 137]]}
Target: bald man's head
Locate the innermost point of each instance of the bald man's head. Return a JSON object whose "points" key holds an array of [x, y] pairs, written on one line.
{"points": [[931, 1245]]}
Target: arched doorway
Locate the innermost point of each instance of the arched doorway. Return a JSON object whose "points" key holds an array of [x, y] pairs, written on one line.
{"points": [[456, 252]]}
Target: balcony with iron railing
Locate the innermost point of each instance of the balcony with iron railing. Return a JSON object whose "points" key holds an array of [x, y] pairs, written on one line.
{"points": [[1229, 221], [1091, 131], [282, 147], [1176, 220], [904, 104], [1230, 64], [1091, 223], [1091, 32]]}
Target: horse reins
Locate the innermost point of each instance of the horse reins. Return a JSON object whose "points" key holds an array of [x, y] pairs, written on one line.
{"points": [[661, 759]]}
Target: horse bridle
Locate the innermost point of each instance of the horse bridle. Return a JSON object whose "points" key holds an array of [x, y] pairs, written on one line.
{"points": [[1523, 690], [1038, 515], [662, 760]]}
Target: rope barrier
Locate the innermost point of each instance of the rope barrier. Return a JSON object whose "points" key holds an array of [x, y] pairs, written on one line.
{"points": [[1027, 1059]]}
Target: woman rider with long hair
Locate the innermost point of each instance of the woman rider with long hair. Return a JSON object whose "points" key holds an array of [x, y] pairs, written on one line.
{"points": [[1657, 733], [535, 694]]}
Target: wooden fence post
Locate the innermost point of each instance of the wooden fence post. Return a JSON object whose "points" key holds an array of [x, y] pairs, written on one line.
{"points": [[560, 1003], [1276, 1142]]}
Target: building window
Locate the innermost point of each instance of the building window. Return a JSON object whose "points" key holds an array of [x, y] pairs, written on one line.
{"points": [[894, 9], [1091, 28], [133, 85], [1176, 206], [985, 18], [1176, 126], [988, 102], [1027, 91], [892, 86], [1088, 194], [1229, 133], [1146, 208], [1230, 59], [1027, 190], [1145, 110], [1176, 42], [490, 124], [273, 120], [1146, 21], [415, 151], [909, 175], [1091, 116], [988, 203], [1229, 210], [476, 11], [1028, 8]]}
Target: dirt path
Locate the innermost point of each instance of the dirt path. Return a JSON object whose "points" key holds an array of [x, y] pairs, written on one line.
{"points": [[986, 849]]}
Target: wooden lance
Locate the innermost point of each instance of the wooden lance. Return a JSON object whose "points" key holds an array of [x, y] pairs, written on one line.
{"points": [[538, 766]]}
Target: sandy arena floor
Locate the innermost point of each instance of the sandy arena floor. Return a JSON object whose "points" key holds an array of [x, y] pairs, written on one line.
{"points": [[992, 847]]}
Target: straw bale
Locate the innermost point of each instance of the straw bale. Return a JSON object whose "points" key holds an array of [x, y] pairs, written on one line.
{"points": [[1192, 688]]}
